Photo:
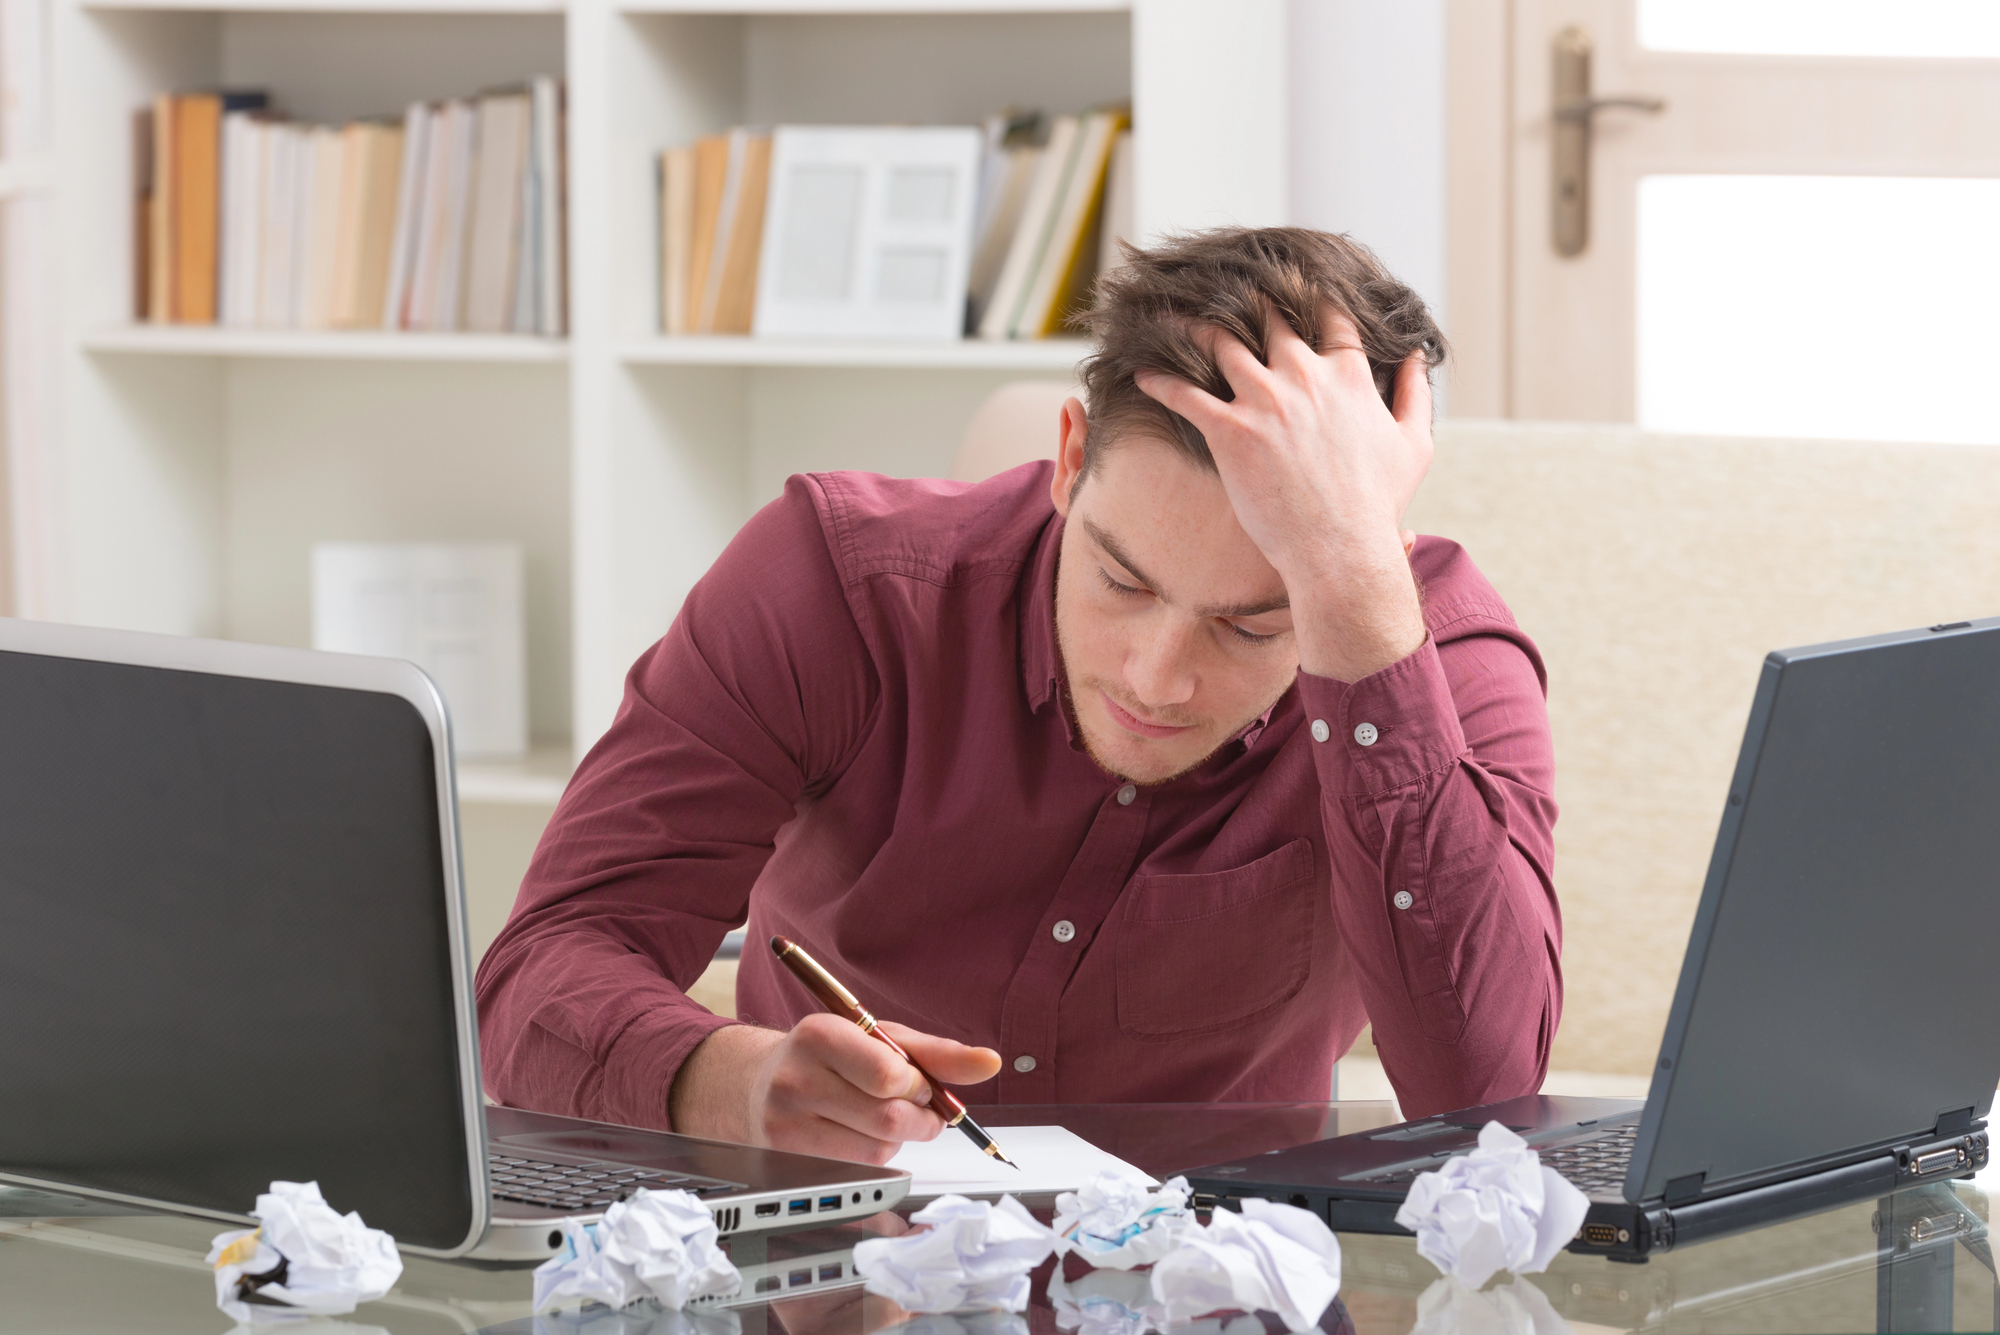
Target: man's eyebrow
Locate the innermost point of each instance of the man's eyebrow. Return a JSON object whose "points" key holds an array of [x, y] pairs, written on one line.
{"points": [[1117, 553]]}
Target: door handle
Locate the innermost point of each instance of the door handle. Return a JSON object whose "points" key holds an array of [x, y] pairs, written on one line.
{"points": [[1574, 108]]}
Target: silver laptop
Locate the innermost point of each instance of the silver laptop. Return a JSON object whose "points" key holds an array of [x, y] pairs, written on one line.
{"points": [[233, 950]]}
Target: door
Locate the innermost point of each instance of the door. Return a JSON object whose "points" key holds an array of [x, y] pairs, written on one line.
{"points": [[1796, 241]]}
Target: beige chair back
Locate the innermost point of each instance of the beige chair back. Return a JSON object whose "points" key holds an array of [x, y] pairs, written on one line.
{"points": [[1655, 572]]}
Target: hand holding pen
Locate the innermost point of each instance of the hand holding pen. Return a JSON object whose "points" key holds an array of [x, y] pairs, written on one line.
{"points": [[841, 1002], [822, 1087]]}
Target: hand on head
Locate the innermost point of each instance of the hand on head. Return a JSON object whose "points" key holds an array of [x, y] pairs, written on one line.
{"points": [[824, 1088]]}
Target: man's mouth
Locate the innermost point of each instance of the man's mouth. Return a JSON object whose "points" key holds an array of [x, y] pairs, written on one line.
{"points": [[1131, 722]]}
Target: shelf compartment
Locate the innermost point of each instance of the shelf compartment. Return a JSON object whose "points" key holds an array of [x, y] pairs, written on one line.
{"points": [[350, 345], [1054, 354]]}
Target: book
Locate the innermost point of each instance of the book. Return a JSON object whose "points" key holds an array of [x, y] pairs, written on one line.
{"points": [[381, 176], [552, 208], [735, 275], [236, 304], [996, 228], [461, 149], [347, 225], [274, 281], [1118, 206], [411, 176], [161, 214], [676, 236], [1069, 256], [711, 175], [432, 217], [493, 222], [142, 213], [1031, 233], [197, 173], [320, 224]]}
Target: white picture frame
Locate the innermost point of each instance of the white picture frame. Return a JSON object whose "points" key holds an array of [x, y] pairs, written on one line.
{"points": [[868, 232]]}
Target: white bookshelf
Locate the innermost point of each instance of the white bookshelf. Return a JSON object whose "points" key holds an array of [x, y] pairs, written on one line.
{"points": [[193, 468]]}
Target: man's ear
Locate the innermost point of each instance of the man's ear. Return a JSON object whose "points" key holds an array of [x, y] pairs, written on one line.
{"points": [[1072, 427]]}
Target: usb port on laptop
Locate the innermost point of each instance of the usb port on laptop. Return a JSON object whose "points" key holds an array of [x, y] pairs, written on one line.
{"points": [[829, 1202], [800, 1207]]}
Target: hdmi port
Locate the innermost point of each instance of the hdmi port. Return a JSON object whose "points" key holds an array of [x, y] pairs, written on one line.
{"points": [[1600, 1235], [768, 1209]]}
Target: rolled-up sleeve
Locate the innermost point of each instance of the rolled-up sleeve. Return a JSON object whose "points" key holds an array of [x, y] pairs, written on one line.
{"points": [[1437, 776], [758, 693]]}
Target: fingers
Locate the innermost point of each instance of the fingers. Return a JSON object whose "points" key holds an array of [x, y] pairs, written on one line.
{"points": [[1413, 391], [950, 1061], [1177, 395], [868, 1064]]}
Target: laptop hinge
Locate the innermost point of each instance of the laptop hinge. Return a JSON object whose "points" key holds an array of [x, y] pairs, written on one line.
{"points": [[1954, 1123], [1684, 1189]]}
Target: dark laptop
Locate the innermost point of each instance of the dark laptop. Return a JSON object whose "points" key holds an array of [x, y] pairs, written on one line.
{"points": [[233, 949], [1832, 1034]]}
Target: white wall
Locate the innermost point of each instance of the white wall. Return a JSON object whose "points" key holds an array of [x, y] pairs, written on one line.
{"points": [[1367, 91]]}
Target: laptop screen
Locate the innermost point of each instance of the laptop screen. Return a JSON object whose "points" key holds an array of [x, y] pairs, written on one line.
{"points": [[1838, 990], [224, 944]]}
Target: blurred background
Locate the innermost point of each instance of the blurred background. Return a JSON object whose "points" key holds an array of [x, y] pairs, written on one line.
{"points": [[470, 330]]}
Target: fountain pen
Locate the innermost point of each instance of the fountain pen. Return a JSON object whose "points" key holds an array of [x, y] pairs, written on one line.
{"points": [[842, 1003]]}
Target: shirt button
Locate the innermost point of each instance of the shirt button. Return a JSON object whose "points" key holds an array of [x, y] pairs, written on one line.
{"points": [[1024, 1063], [1320, 731], [1126, 794], [1365, 733], [1404, 899], [1065, 930]]}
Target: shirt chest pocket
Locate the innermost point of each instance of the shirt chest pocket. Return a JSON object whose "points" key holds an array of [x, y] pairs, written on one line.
{"points": [[1212, 949]]}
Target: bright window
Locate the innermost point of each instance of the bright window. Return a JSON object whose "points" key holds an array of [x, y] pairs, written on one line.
{"points": [[1823, 27], [1853, 307]]}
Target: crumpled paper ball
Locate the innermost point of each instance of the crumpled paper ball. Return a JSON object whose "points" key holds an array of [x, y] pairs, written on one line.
{"points": [[1449, 1308], [1116, 1222], [1272, 1258], [975, 1254], [1106, 1302], [656, 1244], [304, 1260], [1494, 1209]]}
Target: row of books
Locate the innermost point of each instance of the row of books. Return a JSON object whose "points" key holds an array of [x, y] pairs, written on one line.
{"points": [[1053, 206], [1049, 200], [452, 219]]}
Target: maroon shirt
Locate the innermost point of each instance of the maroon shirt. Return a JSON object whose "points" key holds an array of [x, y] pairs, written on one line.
{"points": [[855, 734]]}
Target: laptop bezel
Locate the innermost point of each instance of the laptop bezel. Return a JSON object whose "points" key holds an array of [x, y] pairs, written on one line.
{"points": [[309, 667]]}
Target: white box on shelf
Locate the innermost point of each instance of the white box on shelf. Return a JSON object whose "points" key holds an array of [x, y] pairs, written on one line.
{"points": [[452, 608], [868, 233]]}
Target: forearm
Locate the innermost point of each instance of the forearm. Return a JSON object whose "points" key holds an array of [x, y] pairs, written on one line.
{"points": [[572, 1022], [1355, 606], [1441, 851]]}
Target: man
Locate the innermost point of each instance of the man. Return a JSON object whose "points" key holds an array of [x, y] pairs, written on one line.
{"points": [[1150, 775]]}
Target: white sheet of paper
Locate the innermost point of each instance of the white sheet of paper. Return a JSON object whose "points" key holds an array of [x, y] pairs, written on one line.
{"points": [[1052, 1158]]}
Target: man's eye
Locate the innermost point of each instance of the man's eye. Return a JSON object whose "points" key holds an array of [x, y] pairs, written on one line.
{"points": [[1115, 586], [1249, 638]]}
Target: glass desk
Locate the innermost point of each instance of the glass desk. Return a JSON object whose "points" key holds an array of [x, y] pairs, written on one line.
{"points": [[1917, 1261]]}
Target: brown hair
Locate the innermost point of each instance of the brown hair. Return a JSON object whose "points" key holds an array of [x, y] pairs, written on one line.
{"points": [[1148, 309]]}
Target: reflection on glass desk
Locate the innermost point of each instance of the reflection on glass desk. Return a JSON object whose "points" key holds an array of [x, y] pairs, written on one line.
{"points": [[1916, 1261]]}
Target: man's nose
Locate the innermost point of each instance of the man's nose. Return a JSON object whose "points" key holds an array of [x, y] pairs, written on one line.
{"points": [[1161, 668]]}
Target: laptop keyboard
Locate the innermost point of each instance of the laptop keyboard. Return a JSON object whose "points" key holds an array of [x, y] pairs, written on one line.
{"points": [[1596, 1165], [586, 1186]]}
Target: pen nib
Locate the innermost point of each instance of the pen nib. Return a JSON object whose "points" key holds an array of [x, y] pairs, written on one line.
{"points": [[1009, 1162]]}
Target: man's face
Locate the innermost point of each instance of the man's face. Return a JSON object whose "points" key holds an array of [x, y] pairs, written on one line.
{"points": [[1175, 631]]}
